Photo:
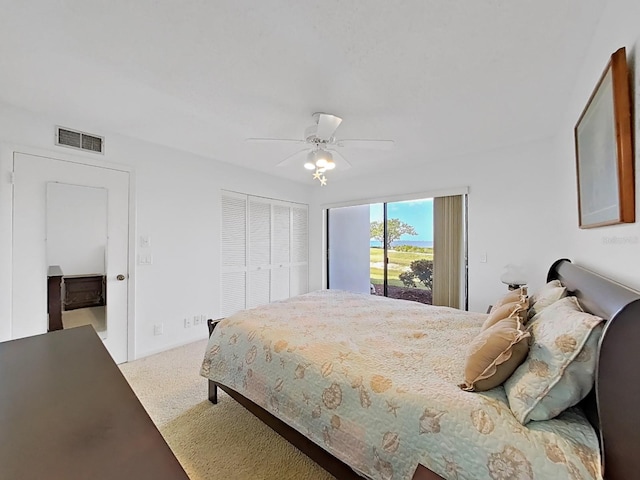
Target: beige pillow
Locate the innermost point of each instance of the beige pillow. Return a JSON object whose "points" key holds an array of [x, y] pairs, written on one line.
{"points": [[517, 295], [513, 309], [494, 354], [548, 294]]}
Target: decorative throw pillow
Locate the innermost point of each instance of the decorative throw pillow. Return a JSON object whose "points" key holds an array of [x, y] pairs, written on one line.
{"points": [[513, 309], [560, 368], [548, 294], [494, 354], [517, 295]]}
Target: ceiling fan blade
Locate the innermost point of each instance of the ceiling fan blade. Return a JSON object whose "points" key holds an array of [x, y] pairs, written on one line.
{"points": [[327, 125], [343, 164], [288, 160], [273, 140], [368, 144]]}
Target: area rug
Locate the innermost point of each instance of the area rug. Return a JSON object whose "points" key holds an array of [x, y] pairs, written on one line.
{"points": [[222, 441]]}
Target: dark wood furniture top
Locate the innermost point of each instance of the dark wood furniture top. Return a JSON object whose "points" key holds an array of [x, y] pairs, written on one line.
{"points": [[66, 412], [612, 406]]}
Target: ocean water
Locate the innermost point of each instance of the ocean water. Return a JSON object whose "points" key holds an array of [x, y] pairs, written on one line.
{"points": [[415, 243]]}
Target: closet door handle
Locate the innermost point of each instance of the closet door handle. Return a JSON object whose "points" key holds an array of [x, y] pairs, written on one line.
{"points": [[120, 278]]}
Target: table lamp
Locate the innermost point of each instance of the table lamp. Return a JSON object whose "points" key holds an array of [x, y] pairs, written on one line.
{"points": [[514, 276]]}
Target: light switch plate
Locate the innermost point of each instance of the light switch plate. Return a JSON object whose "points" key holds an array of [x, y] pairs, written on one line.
{"points": [[145, 241]]}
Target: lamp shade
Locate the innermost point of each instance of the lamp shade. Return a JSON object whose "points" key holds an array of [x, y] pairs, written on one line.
{"points": [[514, 275], [320, 157]]}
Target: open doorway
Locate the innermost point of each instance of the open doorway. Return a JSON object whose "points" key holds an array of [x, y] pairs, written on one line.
{"points": [[76, 242], [54, 204]]}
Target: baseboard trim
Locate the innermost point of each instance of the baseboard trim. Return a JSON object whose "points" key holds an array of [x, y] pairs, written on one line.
{"points": [[148, 353]]}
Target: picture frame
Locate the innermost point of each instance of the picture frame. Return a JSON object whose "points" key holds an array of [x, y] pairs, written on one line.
{"points": [[604, 150]]}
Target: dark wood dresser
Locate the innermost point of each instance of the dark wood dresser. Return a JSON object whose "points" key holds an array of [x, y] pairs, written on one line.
{"points": [[83, 291], [66, 412]]}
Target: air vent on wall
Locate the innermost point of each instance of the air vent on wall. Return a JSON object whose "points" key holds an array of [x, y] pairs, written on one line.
{"points": [[79, 140]]}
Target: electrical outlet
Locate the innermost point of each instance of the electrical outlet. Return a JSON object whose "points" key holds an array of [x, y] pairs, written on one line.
{"points": [[158, 329], [196, 319], [187, 323]]}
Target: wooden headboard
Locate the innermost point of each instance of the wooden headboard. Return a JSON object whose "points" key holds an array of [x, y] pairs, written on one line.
{"points": [[613, 407]]}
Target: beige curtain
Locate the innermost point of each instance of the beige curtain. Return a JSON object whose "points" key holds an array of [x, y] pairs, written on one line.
{"points": [[448, 255]]}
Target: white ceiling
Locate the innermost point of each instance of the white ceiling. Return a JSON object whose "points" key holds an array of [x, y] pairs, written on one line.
{"points": [[441, 78]]}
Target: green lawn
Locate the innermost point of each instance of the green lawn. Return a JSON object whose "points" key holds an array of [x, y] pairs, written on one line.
{"points": [[398, 263]]}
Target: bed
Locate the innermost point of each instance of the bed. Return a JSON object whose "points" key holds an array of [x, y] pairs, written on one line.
{"points": [[354, 394]]}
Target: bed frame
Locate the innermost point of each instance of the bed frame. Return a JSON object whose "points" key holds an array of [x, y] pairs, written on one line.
{"points": [[612, 407]]}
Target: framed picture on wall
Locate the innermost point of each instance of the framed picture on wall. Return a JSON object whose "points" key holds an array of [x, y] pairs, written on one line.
{"points": [[604, 150]]}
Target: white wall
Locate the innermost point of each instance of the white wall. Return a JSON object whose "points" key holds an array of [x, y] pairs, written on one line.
{"points": [[76, 228], [513, 212], [613, 251], [349, 259], [523, 199], [177, 205]]}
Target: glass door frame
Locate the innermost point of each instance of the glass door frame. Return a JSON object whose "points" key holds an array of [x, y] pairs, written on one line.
{"points": [[385, 252]]}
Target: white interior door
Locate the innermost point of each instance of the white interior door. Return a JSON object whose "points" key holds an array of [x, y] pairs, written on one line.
{"points": [[299, 275], [281, 252], [233, 253], [258, 286], [32, 175]]}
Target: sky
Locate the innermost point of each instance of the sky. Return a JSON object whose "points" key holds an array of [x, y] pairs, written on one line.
{"points": [[417, 213]]}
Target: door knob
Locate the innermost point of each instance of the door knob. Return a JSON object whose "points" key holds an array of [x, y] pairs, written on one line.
{"points": [[120, 277]]}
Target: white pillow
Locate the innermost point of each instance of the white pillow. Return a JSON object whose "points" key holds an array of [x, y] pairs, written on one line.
{"points": [[560, 368]]}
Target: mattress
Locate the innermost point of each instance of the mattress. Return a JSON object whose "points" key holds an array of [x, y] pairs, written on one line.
{"points": [[374, 381]]}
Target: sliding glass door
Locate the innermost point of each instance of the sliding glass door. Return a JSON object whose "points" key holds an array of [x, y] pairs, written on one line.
{"points": [[401, 249], [348, 247], [416, 250], [377, 251]]}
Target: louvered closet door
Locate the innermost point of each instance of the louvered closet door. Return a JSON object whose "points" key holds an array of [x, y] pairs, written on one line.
{"points": [[233, 253], [280, 250], [258, 271], [299, 275]]}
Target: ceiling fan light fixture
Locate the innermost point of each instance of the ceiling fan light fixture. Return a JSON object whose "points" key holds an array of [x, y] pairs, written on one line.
{"points": [[319, 138], [319, 160], [312, 156]]}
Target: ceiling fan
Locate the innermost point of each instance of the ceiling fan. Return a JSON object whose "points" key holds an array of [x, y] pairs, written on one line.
{"points": [[321, 146]]}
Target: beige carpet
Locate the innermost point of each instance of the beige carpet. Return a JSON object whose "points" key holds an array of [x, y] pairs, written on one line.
{"points": [[95, 316], [222, 441]]}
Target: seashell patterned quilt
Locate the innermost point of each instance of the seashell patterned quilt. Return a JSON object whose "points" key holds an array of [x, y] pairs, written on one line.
{"points": [[374, 381]]}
